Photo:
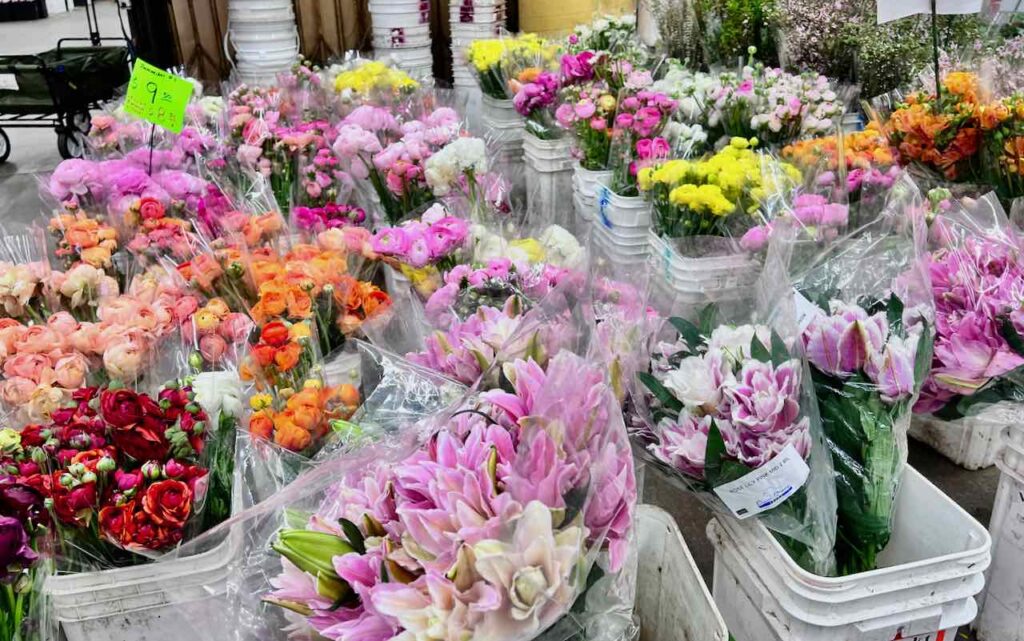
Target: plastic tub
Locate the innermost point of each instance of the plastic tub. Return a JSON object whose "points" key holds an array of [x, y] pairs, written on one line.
{"points": [[1002, 610], [589, 181], [386, 19], [413, 31], [672, 600], [399, 42], [549, 155], [478, 15], [928, 576], [752, 612], [971, 442], [142, 603], [501, 114], [704, 274]]}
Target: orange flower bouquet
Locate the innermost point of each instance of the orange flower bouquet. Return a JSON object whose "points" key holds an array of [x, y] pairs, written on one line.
{"points": [[82, 238], [1003, 124], [299, 421], [943, 134]]}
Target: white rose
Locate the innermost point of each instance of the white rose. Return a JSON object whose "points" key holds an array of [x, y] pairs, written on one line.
{"points": [[693, 384]]}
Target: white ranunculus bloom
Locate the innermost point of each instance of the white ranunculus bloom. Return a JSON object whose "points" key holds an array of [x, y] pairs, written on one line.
{"points": [[217, 392], [692, 384], [735, 341]]}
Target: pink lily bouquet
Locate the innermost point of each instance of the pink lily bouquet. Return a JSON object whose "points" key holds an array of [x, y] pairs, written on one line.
{"points": [[513, 511], [868, 365], [978, 338], [726, 401]]}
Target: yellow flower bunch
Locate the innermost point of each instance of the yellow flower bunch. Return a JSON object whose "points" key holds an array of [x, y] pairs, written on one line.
{"points": [[485, 55], [373, 76], [693, 197], [702, 199]]}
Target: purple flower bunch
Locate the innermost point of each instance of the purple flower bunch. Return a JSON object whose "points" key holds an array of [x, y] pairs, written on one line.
{"points": [[434, 238], [578, 68], [978, 289], [469, 527], [536, 95], [331, 215], [729, 384]]}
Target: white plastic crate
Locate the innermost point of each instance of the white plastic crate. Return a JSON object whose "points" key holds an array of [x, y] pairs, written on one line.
{"points": [[925, 585], [672, 601], [1002, 609], [971, 442]]}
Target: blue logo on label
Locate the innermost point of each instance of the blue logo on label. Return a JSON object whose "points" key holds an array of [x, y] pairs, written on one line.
{"points": [[604, 198], [772, 499]]}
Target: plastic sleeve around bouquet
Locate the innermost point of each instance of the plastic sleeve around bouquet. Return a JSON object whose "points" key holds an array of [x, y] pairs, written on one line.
{"points": [[867, 321], [349, 546], [974, 248], [700, 428]]}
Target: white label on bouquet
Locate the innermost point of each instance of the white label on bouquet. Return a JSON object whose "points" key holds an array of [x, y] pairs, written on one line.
{"points": [[8, 82], [889, 10], [767, 486], [805, 310]]}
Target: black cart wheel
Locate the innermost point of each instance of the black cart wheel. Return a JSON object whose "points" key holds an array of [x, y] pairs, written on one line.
{"points": [[82, 121], [5, 147], [71, 144]]}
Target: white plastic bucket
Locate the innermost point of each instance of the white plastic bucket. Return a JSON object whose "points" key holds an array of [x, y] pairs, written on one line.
{"points": [[478, 15], [971, 442], [501, 113], [412, 31], [630, 214], [1002, 610], [706, 274], [548, 155], [672, 600], [143, 603], [928, 576]]}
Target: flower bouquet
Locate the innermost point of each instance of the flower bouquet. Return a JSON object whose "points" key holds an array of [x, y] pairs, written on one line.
{"points": [[866, 319], [25, 533], [636, 140], [978, 355], [497, 61], [424, 248], [728, 400], [382, 542], [371, 82]]}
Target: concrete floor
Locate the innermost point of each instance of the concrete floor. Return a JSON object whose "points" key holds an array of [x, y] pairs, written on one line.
{"points": [[35, 152]]}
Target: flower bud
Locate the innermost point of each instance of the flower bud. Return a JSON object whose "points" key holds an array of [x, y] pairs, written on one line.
{"points": [[312, 552], [39, 456], [198, 427], [76, 469], [151, 470], [192, 408], [89, 477], [106, 464], [66, 480], [173, 469]]}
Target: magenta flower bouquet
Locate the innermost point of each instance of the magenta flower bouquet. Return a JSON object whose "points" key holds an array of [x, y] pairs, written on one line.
{"points": [[436, 238], [505, 516], [727, 402], [636, 140], [535, 100]]}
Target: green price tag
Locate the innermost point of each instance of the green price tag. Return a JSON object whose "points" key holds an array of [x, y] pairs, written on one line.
{"points": [[157, 96]]}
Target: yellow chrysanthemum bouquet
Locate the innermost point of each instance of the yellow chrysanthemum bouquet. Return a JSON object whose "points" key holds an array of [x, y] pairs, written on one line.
{"points": [[499, 63], [705, 197]]}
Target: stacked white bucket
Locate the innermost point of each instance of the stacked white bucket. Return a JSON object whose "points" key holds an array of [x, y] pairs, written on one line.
{"points": [[620, 228], [504, 130], [401, 28], [548, 178], [264, 37], [586, 184], [924, 588], [469, 21], [1002, 612]]}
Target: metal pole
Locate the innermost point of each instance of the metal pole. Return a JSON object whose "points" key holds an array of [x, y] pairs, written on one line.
{"points": [[935, 49]]}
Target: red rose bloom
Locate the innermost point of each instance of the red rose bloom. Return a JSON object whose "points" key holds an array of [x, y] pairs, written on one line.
{"points": [[168, 503], [121, 408], [151, 536], [117, 523], [151, 209], [84, 394], [32, 435]]}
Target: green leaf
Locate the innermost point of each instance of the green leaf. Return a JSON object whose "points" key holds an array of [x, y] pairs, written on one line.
{"points": [[894, 314], [660, 392], [354, 535], [1013, 338], [732, 471], [714, 453], [758, 351], [779, 352], [688, 331], [925, 351], [708, 319]]}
